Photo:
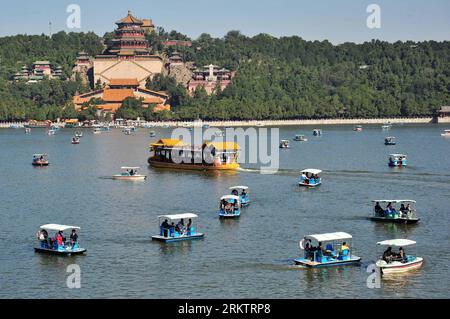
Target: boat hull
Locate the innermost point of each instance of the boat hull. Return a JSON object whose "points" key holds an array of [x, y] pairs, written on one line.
{"points": [[130, 178], [309, 185], [197, 167], [181, 238], [77, 251], [313, 264], [39, 164], [395, 220], [398, 267]]}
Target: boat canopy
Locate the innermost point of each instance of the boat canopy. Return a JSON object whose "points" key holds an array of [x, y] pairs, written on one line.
{"points": [[57, 227], [397, 242], [38, 155], [179, 216], [284, 141], [312, 171], [223, 146], [168, 142], [126, 167], [238, 187], [230, 197], [329, 236], [394, 201], [397, 155]]}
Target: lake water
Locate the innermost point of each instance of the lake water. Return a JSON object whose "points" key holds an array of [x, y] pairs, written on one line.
{"points": [[246, 258]]}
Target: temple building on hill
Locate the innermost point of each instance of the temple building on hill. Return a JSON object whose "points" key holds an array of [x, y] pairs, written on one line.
{"points": [[39, 71], [117, 91], [209, 78], [128, 54]]}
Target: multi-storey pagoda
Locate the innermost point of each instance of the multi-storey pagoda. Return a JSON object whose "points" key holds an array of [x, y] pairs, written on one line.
{"points": [[128, 54]]}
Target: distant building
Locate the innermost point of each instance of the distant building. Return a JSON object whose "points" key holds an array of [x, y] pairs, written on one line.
{"points": [[444, 111], [128, 54], [209, 78], [174, 43], [40, 70], [117, 91], [175, 59], [148, 25]]}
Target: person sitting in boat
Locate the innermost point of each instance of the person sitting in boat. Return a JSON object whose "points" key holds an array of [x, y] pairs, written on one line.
{"points": [[235, 192], [59, 239], [309, 250], [189, 226], [400, 256], [305, 178], [388, 255], [390, 210], [180, 227], [42, 235], [244, 193], [73, 238], [378, 210]]}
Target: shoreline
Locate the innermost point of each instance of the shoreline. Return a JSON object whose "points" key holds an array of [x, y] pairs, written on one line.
{"points": [[360, 121]]}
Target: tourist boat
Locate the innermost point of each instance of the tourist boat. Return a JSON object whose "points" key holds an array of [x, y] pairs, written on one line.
{"points": [[75, 140], [172, 233], [244, 196], [403, 215], [129, 174], [336, 252], [51, 132], [410, 262], [40, 160], [173, 153], [317, 132], [27, 130], [152, 134], [310, 177], [78, 134], [446, 133], [50, 246], [390, 140], [386, 126], [230, 206], [284, 144], [97, 130], [397, 160], [300, 138], [358, 128]]}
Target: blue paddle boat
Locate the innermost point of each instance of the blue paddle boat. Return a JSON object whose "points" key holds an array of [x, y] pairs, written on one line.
{"points": [[184, 229], [230, 206], [244, 196]]}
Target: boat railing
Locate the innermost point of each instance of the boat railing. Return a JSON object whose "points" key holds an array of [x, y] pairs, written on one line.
{"points": [[172, 232], [332, 255]]}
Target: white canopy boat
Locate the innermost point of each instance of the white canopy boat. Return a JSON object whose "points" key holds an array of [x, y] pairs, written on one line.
{"points": [[391, 214], [337, 250], [395, 263], [284, 144], [129, 174], [397, 160], [310, 177], [171, 232], [244, 196], [58, 245], [230, 206], [446, 133]]}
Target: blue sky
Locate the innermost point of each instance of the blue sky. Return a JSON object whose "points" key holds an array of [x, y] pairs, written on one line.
{"points": [[335, 20]]}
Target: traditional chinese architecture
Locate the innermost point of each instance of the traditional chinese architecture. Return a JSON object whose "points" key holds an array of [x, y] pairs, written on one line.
{"points": [[128, 54], [40, 70], [209, 78], [175, 59], [443, 115], [117, 91]]}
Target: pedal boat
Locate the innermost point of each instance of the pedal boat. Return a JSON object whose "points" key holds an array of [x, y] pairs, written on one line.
{"points": [[332, 255], [390, 140], [300, 138], [284, 144], [55, 249], [396, 215], [129, 174], [40, 160], [244, 196], [168, 235], [397, 160], [410, 263], [310, 181], [230, 206]]}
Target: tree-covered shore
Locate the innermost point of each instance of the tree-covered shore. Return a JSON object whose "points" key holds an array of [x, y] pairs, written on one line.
{"points": [[277, 78]]}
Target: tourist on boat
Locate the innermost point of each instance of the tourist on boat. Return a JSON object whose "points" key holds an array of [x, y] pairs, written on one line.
{"points": [[189, 225], [180, 227], [165, 228], [309, 250], [59, 239], [378, 210], [388, 255], [235, 192], [401, 256], [73, 237], [244, 193]]}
